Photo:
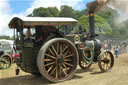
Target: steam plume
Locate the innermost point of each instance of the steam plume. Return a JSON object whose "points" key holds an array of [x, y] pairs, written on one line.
{"points": [[96, 5], [119, 5]]}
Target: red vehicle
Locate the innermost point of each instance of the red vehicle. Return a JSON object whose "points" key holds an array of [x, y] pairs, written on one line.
{"points": [[15, 56]]}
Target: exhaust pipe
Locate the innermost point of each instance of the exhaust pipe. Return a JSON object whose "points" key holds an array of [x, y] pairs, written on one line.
{"points": [[91, 24]]}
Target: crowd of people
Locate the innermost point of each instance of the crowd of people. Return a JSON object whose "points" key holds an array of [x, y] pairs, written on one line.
{"points": [[117, 49]]}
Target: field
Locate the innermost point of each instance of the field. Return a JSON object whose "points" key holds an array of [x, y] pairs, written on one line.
{"points": [[117, 76]]}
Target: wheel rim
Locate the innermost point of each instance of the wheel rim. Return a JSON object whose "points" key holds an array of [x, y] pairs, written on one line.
{"points": [[5, 62], [106, 61], [85, 62], [60, 61], [84, 65]]}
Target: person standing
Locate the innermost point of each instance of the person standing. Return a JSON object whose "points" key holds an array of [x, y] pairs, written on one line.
{"points": [[116, 51]]}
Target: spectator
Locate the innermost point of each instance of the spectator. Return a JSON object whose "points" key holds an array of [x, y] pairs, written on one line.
{"points": [[116, 51], [109, 45]]}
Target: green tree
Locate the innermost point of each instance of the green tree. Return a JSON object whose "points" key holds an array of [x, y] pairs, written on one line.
{"points": [[53, 11], [42, 12], [6, 37], [66, 11], [100, 24], [108, 14], [30, 15]]}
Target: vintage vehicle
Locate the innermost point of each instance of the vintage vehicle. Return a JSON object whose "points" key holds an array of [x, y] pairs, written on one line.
{"points": [[5, 60], [6, 45], [9, 48], [53, 50]]}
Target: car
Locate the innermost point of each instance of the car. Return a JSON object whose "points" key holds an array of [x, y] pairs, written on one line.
{"points": [[8, 47], [5, 60]]}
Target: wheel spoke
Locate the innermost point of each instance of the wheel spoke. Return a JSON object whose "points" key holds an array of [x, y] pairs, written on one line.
{"points": [[60, 71], [107, 66], [68, 56], [6, 65], [67, 59], [68, 64], [50, 68], [104, 56], [51, 51], [54, 50], [65, 48], [49, 64], [65, 66], [56, 73], [110, 61], [48, 60], [64, 71], [104, 66], [66, 52], [50, 56], [53, 70], [108, 56]]}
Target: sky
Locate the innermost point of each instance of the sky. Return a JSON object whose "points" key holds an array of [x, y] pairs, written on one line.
{"points": [[12, 8]]}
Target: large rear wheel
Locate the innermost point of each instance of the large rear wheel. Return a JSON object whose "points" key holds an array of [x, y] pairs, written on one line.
{"points": [[58, 59]]}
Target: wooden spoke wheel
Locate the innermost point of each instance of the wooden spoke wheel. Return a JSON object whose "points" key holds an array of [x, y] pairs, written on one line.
{"points": [[106, 61], [84, 65], [5, 62], [58, 59]]}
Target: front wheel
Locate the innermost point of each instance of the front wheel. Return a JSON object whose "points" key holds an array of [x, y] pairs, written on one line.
{"points": [[84, 65], [5, 61], [86, 58], [58, 59], [106, 61]]}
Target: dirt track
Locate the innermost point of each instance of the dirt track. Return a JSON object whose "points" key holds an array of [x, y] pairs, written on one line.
{"points": [[117, 76]]}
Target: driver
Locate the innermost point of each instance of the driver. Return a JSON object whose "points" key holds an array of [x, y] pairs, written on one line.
{"points": [[28, 34]]}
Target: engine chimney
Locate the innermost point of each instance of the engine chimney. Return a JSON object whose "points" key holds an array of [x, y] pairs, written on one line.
{"points": [[91, 24]]}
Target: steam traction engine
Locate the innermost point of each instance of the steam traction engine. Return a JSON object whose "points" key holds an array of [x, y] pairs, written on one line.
{"points": [[54, 52], [91, 50]]}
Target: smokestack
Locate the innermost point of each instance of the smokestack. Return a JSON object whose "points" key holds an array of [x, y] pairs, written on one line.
{"points": [[94, 7], [91, 24]]}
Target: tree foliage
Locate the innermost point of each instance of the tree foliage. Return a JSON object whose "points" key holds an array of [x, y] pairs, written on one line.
{"points": [[66, 11], [45, 12], [6, 37], [104, 20], [100, 24], [53, 11], [42, 12]]}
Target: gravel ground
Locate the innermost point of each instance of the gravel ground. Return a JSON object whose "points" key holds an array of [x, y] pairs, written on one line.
{"points": [[117, 76]]}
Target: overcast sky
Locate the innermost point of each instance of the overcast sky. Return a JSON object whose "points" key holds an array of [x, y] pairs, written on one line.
{"points": [[11, 8]]}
